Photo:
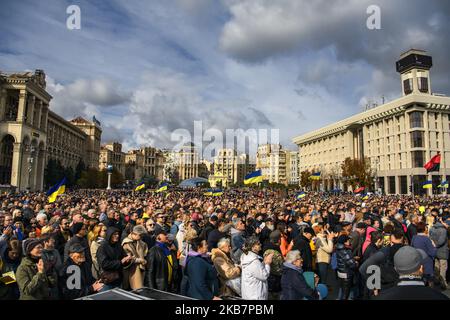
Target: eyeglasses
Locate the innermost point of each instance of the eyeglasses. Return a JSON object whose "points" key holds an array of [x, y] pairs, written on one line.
{"points": [[151, 224]]}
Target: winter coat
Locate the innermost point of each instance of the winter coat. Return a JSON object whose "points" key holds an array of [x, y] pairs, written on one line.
{"points": [[94, 248], [109, 257], [438, 233], [206, 231], [294, 286], [367, 240], [302, 244], [201, 278], [34, 285], [324, 249], [411, 232], [225, 268], [135, 273], [157, 274], [345, 262], [409, 289], [237, 241], [254, 277], [214, 237], [60, 241], [86, 281], [423, 242]]}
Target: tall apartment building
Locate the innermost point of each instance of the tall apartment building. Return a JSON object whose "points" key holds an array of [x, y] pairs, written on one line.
{"points": [[229, 168], [397, 138], [292, 165], [187, 161], [271, 159]]}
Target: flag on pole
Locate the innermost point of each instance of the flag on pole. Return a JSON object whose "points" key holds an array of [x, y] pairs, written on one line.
{"points": [[365, 197], [300, 195], [217, 192], [444, 184], [427, 184], [253, 177], [434, 164], [163, 187], [139, 187], [315, 176], [56, 190]]}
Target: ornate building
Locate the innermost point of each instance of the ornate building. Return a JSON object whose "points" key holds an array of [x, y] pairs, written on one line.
{"points": [[111, 154], [271, 159]]}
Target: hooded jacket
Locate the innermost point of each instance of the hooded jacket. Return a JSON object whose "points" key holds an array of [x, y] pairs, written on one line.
{"points": [[438, 233], [294, 286], [345, 262], [202, 277], [109, 256], [226, 269], [134, 275], [254, 277], [86, 281]]}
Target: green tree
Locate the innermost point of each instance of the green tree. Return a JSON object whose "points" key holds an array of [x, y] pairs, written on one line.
{"points": [[357, 172]]}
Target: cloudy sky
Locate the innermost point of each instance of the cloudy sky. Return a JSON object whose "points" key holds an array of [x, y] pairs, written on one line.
{"points": [[147, 68]]}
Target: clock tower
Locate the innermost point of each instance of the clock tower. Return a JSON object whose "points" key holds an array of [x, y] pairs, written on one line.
{"points": [[414, 68]]}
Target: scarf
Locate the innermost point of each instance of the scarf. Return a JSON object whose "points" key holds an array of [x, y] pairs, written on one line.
{"points": [[164, 247]]}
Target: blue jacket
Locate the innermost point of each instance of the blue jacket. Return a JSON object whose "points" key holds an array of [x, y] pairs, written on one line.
{"points": [[424, 243], [202, 278], [294, 286]]}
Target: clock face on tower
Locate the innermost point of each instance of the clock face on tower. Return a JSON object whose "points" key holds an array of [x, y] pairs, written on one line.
{"points": [[414, 60]]}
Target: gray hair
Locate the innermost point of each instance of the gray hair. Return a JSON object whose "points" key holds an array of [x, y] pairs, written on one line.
{"points": [[292, 256], [398, 216], [222, 242], [41, 216]]}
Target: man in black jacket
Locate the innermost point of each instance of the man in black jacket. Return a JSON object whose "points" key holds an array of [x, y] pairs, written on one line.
{"points": [[408, 262], [162, 265], [302, 244], [412, 228], [79, 231], [210, 226], [62, 235], [76, 280]]}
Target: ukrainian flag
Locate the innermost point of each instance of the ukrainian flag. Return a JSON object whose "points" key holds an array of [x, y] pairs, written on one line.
{"points": [[427, 184], [140, 186], [56, 190], [300, 195], [365, 197], [162, 187], [444, 184], [315, 176], [217, 193], [253, 177], [208, 193]]}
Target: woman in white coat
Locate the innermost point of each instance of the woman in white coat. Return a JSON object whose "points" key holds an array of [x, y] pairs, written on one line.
{"points": [[255, 271]]}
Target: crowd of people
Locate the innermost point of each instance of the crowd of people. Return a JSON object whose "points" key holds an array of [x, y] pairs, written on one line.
{"points": [[255, 244]]}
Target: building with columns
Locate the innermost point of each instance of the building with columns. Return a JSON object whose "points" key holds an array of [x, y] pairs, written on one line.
{"points": [[397, 138], [31, 134], [187, 161], [24, 109]]}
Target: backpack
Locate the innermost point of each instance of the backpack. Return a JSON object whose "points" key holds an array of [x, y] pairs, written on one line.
{"points": [[389, 276]]}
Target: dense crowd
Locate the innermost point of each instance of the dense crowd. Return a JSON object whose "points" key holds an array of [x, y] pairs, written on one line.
{"points": [[247, 243]]}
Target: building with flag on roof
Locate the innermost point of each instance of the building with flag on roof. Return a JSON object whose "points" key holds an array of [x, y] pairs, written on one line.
{"points": [[397, 137]]}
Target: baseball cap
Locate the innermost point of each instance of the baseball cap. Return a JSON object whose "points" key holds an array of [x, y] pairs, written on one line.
{"points": [[408, 259]]}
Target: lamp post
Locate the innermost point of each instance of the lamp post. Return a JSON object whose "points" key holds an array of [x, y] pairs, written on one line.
{"points": [[109, 170], [30, 161]]}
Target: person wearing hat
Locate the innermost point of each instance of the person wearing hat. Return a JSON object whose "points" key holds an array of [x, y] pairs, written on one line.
{"points": [[79, 231], [409, 263], [273, 247], [346, 265], [86, 283], [302, 244], [134, 246], [31, 276]]}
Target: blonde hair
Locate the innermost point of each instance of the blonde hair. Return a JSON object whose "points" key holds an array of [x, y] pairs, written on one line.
{"points": [[190, 234], [46, 230]]}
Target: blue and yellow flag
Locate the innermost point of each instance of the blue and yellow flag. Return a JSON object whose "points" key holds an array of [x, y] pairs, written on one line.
{"points": [[365, 197], [300, 195], [162, 187], [56, 190], [253, 177], [217, 193], [427, 184], [315, 176], [444, 184], [140, 186], [208, 193]]}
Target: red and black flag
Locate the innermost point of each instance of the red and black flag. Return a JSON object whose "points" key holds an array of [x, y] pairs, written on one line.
{"points": [[434, 164]]}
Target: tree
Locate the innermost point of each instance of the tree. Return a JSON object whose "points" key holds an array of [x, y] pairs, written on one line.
{"points": [[305, 180], [357, 172], [81, 166]]}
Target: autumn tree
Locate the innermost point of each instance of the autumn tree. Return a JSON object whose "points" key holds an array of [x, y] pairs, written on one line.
{"points": [[305, 180], [357, 172]]}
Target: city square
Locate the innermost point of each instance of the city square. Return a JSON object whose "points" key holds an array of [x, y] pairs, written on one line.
{"points": [[214, 159]]}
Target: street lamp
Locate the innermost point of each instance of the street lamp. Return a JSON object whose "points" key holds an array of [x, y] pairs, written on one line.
{"points": [[109, 170], [30, 161]]}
